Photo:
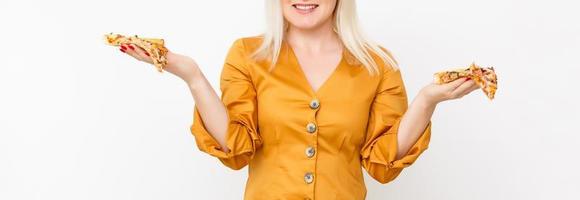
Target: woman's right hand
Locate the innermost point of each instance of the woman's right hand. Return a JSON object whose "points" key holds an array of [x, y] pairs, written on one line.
{"points": [[436, 93], [182, 66]]}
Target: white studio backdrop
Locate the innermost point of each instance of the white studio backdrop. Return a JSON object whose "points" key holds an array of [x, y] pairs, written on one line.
{"points": [[80, 120]]}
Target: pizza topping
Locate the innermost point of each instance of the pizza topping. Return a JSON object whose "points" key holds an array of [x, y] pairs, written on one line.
{"points": [[484, 77], [154, 48]]}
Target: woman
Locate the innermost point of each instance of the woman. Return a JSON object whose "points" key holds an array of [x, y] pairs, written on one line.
{"points": [[328, 101]]}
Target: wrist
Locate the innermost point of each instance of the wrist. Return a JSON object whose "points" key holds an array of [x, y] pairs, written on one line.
{"points": [[184, 67], [426, 100], [174, 59]]}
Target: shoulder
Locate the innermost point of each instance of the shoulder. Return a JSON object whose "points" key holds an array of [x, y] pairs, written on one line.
{"points": [[238, 57], [247, 45], [242, 48], [376, 56], [389, 69], [387, 62]]}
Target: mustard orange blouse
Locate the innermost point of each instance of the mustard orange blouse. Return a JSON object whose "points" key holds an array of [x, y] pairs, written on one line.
{"points": [[302, 144]]}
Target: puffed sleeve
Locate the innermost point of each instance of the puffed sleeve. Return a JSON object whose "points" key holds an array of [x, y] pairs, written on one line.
{"points": [[239, 98], [380, 148]]}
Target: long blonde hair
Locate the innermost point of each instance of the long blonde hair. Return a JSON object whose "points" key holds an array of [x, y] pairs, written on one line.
{"points": [[346, 25]]}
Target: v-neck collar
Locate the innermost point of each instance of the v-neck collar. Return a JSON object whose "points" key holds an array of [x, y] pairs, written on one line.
{"points": [[304, 80]]}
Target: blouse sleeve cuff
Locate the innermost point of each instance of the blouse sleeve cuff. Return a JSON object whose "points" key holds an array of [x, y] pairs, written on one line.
{"points": [[413, 153], [242, 139], [388, 148]]}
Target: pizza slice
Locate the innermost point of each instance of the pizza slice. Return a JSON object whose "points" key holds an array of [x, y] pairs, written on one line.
{"points": [[153, 46], [484, 77]]}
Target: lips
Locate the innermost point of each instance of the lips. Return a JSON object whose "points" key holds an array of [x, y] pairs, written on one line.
{"points": [[305, 8]]}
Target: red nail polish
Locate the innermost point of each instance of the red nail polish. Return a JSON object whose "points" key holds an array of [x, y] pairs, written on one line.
{"points": [[123, 50], [146, 53], [131, 47], [123, 47]]}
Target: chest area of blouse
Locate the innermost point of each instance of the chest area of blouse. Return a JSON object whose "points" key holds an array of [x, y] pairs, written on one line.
{"points": [[287, 104]]}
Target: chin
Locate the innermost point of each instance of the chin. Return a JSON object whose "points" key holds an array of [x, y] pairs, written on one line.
{"points": [[307, 15]]}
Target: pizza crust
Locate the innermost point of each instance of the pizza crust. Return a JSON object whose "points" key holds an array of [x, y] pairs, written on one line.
{"points": [[484, 77], [154, 46]]}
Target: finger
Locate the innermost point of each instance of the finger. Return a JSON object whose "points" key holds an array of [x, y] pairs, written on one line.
{"points": [[471, 89], [475, 87], [140, 51], [125, 48], [462, 89], [456, 83]]}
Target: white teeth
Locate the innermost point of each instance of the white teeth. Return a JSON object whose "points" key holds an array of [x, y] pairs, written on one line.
{"points": [[305, 7]]}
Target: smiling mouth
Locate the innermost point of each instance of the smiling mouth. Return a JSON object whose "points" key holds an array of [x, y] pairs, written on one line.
{"points": [[305, 8]]}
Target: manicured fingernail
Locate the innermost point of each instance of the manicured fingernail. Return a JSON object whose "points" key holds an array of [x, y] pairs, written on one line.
{"points": [[131, 47], [146, 53], [123, 50], [467, 79], [123, 47]]}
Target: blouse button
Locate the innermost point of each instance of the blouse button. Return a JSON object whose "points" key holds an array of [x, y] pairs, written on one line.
{"points": [[314, 104], [310, 151], [311, 127], [308, 177]]}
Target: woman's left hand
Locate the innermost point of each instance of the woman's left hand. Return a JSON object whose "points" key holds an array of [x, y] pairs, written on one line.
{"points": [[436, 93]]}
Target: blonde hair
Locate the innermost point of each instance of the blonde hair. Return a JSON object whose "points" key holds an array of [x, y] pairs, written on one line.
{"points": [[345, 24]]}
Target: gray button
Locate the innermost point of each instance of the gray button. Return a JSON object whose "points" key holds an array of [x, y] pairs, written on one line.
{"points": [[311, 127], [308, 177], [310, 151], [314, 104]]}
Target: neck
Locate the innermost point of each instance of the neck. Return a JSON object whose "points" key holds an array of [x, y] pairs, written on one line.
{"points": [[314, 40]]}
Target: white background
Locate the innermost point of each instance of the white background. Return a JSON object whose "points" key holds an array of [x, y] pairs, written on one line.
{"points": [[80, 120]]}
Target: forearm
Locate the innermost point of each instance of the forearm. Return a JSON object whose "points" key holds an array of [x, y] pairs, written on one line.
{"points": [[414, 122], [210, 107]]}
